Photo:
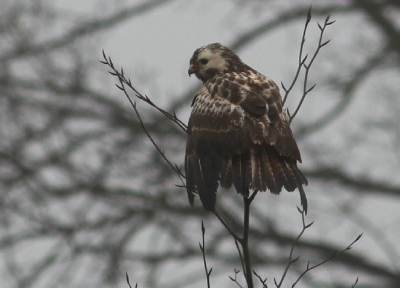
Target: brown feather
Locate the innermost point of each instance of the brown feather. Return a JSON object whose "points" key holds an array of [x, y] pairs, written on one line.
{"points": [[256, 171], [190, 160], [270, 180], [239, 167], [226, 173]]}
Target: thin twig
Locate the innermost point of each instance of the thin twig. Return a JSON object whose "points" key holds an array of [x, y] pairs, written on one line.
{"points": [[355, 283], [251, 198], [302, 63], [334, 255], [202, 248], [240, 254], [121, 77], [127, 281], [308, 268], [307, 67], [235, 279], [301, 59], [174, 167], [263, 281], [290, 259], [226, 225]]}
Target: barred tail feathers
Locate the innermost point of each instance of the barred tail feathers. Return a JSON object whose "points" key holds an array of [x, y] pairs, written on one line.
{"points": [[264, 169]]}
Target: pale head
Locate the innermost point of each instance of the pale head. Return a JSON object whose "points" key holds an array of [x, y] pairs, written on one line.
{"points": [[212, 60]]}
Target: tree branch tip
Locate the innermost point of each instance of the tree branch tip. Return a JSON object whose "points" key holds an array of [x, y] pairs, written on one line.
{"points": [[309, 225], [294, 260], [330, 23], [209, 272], [311, 88], [283, 86], [327, 18], [309, 14], [320, 27], [355, 283], [325, 43], [127, 280]]}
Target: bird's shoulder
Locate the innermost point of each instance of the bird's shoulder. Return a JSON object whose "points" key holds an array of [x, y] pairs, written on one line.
{"points": [[204, 103], [237, 85]]}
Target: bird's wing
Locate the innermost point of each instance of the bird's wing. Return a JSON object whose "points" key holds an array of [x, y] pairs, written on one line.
{"points": [[260, 98], [214, 131]]}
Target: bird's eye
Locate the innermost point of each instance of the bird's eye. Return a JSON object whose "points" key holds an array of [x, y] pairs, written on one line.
{"points": [[203, 61]]}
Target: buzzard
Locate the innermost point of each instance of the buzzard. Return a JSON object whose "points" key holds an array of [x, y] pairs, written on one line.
{"points": [[238, 133]]}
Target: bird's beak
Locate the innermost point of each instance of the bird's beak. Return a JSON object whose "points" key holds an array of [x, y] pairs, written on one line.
{"points": [[191, 70]]}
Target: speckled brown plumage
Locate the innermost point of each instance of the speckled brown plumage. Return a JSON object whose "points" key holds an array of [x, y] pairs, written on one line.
{"points": [[238, 133]]}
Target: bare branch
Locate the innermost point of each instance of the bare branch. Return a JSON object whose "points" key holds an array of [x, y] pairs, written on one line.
{"points": [[119, 74], [202, 248], [355, 283], [290, 259], [301, 58], [226, 225], [334, 255], [263, 281], [234, 279], [308, 65], [127, 281]]}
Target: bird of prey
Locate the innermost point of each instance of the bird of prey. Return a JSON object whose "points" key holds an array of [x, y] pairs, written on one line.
{"points": [[238, 133]]}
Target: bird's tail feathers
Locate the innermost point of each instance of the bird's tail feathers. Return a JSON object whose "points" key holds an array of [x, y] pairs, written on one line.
{"points": [[262, 169]]}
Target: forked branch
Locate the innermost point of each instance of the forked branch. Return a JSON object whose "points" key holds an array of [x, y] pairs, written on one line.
{"points": [[309, 267], [126, 82], [303, 64], [203, 252], [119, 73]]}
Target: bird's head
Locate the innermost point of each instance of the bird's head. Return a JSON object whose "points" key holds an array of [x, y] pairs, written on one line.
{"points": [[212, 60]]}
